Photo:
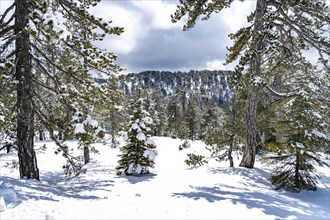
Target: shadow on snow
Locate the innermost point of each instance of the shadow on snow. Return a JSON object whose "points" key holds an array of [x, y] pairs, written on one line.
{"points": [[51, 187], [281, 204], [137, 179]]}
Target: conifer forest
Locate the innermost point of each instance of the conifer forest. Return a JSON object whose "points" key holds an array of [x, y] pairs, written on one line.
{"points": [[183, 109]]}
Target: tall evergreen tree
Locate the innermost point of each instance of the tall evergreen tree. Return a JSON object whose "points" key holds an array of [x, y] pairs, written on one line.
{"points": [[302, 133], [211, 118], [192, 116], [31, 26], [271, 20], [139, 153]]}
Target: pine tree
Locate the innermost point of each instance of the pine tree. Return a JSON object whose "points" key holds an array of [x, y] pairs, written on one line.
{"points": [[174, 115], [192, 116], [139, 153], [32, 26], [7, 113], [227, 138], [212, 118], [301, 132], [270, 22]]}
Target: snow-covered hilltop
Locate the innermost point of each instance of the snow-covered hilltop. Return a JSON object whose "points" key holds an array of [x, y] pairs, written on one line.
{"points": [[206, 83]]}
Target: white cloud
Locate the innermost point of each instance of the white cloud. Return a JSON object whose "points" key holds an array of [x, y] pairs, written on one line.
{"points": [[235, 16], [159, 13], [215, 65], [123, 17]]}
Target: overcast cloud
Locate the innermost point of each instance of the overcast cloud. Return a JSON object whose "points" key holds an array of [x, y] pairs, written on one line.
{"points": [[152, 42]]}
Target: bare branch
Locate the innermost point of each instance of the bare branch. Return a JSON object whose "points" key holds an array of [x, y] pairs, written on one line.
{"points": [[6, 12], [6, 30]]}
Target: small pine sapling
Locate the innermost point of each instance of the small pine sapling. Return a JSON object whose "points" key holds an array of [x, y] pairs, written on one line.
{"points": [[227, 139], [139, 153], [295, 170], [86, 131], [195, 160], [301, 136]]}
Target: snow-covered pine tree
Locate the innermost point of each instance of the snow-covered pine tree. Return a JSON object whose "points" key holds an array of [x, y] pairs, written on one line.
{"points": [[174, 117], [192, 117], [150, 106], [7, 113], [226, 139], [159, 109], [139, 153], [301, 130], [86, 130], [67, 28], [211, 117]]}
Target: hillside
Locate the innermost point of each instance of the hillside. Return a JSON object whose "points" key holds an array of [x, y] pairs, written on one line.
{"points": [[206, 84]]}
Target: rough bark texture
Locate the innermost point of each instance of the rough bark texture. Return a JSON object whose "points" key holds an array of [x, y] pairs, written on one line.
{"points": [[253, 91], [251, 130], [25, 114]]}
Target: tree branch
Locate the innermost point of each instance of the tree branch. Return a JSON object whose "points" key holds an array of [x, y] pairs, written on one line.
{"points": [[278, 95]]}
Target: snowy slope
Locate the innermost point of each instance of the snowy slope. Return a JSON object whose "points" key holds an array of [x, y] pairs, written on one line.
{"points": [[173, 191]]}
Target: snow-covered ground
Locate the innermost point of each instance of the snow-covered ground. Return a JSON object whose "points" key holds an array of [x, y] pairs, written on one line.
{"points": [[172, 191]]}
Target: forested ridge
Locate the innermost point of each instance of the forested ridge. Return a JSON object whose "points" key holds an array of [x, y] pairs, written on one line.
{"points": [[206, 84]]}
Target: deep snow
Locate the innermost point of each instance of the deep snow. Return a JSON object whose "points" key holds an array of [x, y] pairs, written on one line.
{"points": [[171, 191]]}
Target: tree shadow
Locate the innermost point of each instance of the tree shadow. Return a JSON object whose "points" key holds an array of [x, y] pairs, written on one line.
{"points": [[137, 179], [281, 204], [53, 186]]}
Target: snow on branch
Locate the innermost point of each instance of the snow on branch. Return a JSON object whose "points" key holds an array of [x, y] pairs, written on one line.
{"points": [[280, 95]]}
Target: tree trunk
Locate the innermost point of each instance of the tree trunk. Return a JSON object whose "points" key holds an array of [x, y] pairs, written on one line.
{"points": [[25, 113], [251, 130], [86, 155], [296, 172], [230, 151], [253, 91], [41, 135]]}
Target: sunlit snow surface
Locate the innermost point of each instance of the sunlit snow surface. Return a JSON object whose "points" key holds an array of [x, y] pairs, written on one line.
{"points": [[171, 191]]}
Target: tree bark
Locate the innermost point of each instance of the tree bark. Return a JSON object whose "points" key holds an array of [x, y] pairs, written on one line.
{"points": [[251, 130], [253, 90], [87, 158], [41, 135], [296, 172], [25, 113], [231, 146]]}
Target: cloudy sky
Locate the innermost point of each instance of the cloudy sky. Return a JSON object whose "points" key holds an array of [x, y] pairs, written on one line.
{"points": [[152, 42]]}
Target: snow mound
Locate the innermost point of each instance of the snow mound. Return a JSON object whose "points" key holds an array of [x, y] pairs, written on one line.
{"points": [[3, 206], [8, 199]]}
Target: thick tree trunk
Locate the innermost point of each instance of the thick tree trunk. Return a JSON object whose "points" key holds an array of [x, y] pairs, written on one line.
{"points": [[25, 113], [251, 130], [253, 91]]}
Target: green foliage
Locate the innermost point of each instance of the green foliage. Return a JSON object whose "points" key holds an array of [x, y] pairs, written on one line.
{"points": [[301, 131], [295, 170], [139, 153], [61, 45], [226, 138], [195, 160]]}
